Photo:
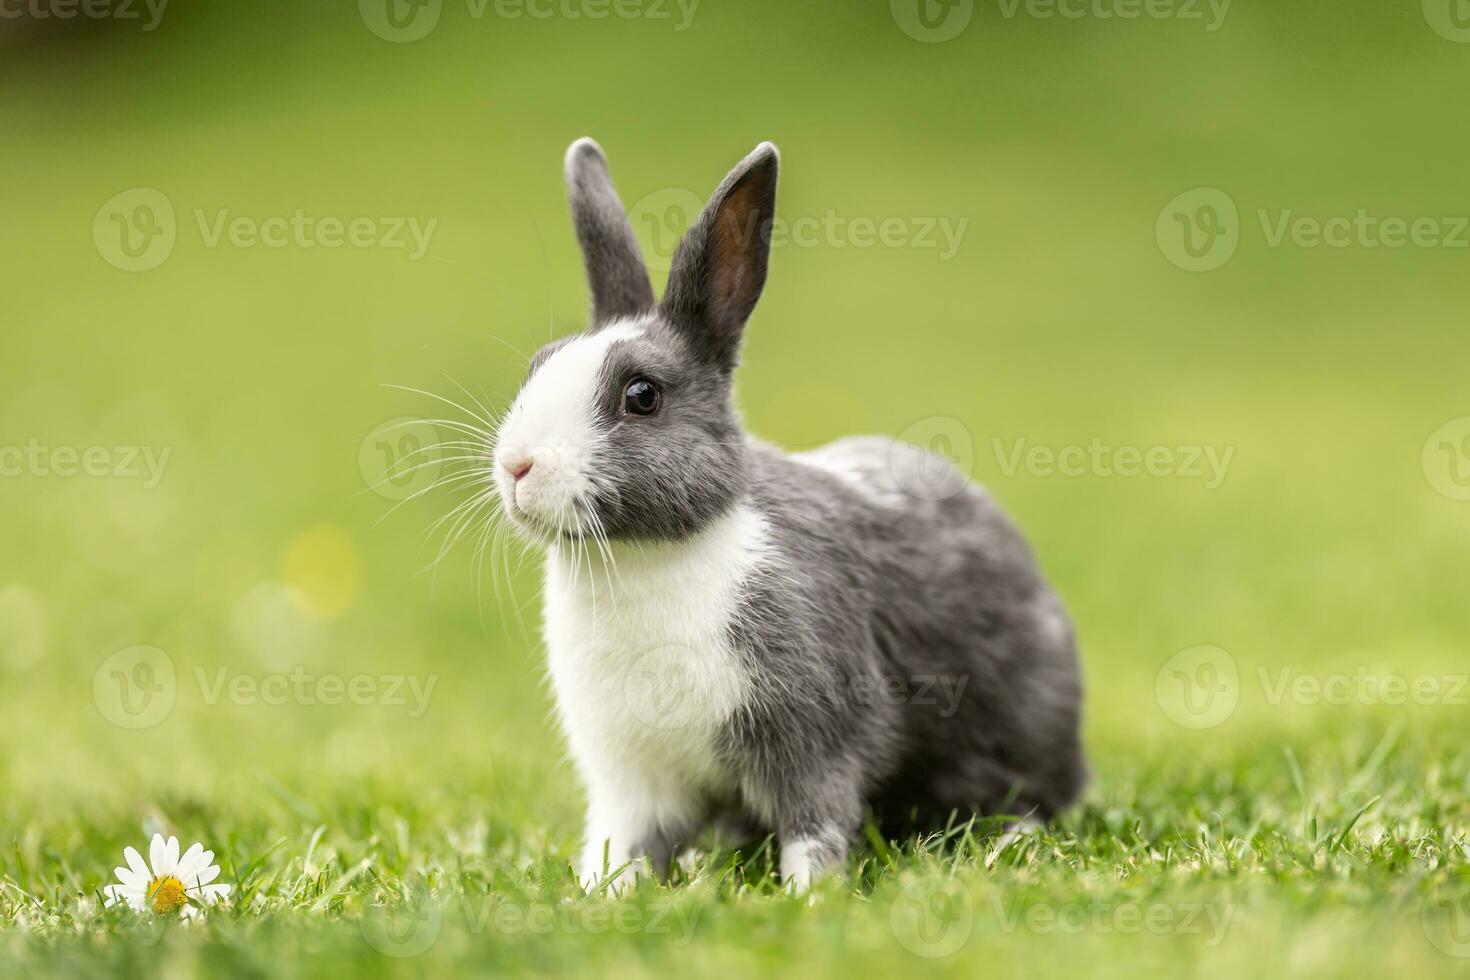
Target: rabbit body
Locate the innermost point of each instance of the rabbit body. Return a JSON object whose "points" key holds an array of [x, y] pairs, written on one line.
{"points": [[781, 642]]}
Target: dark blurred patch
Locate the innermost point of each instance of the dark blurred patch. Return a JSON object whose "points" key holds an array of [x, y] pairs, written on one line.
{"points": [[60, 24], [53, 27]]}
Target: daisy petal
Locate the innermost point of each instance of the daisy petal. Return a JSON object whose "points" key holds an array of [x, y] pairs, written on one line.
{"points": [[189, 863], [131, 896], [130, 880], [158, 855], [173, 856], [207, 875], [215, 893], [135, 861]]}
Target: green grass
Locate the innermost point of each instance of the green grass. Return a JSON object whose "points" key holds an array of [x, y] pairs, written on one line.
{"points": [[1297, 834], [1189, 863]]}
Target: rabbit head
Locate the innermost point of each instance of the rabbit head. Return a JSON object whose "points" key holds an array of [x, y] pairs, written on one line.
{"points": [[628, 430]]}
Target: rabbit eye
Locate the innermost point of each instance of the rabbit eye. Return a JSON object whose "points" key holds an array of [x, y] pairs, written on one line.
{"points": [[640, 397]]}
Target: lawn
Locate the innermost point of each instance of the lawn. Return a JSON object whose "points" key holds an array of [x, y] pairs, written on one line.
{"points": [[1247, 481]]}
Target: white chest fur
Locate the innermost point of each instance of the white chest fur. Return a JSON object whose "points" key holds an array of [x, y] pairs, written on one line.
{"points": [[641, 661]]}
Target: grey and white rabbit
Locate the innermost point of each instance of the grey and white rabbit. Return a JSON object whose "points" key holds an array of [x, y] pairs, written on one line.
{"points": [[744, 636]]}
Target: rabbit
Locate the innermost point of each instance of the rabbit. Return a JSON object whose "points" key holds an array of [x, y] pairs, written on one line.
{"points": [[788, 643]]}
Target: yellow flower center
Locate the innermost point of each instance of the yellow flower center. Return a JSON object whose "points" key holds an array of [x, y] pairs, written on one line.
{"points": [[166, 894]]}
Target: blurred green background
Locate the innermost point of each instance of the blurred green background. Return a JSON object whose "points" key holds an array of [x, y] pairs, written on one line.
{"points": [[1336, 542]]}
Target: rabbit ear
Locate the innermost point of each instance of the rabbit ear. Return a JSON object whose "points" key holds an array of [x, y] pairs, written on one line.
{"points": [[720, 268], [615, 270]]}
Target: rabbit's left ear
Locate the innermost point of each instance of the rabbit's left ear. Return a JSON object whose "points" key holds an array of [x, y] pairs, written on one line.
{"points": [[615, 270], [720, 268]]}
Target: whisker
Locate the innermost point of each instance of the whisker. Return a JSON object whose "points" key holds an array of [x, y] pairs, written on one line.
{"points": [[391, 476], [460, 423], [512, 347], [472, 501], [489, 418], [458, 530], [447, 401], [502, 533], [443, 482]]}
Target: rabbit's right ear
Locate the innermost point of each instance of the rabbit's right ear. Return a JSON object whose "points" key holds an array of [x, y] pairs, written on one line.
{"points": [[615, 270], [720, 267]]}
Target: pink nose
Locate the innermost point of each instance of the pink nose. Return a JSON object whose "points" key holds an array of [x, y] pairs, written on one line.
{"points": [[518, 468]]}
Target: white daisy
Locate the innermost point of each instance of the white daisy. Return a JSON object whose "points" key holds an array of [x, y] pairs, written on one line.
{"points": [[174, 883]]}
